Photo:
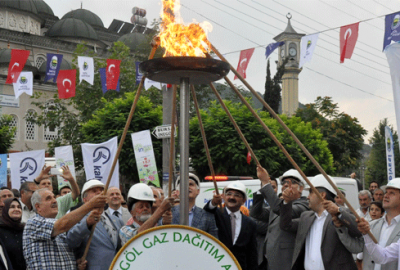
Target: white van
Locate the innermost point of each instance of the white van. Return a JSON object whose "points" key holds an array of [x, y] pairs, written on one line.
{"points": [[348, 185]]}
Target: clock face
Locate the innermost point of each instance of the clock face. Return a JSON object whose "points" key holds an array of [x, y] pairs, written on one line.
{"points": [[282, 53], [292, 52]]}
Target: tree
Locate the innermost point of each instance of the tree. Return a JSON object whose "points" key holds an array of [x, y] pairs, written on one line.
{"points": [[229, 153], [7, 133], [376, 163], [110, 121], [342, 132], [272, 94]]}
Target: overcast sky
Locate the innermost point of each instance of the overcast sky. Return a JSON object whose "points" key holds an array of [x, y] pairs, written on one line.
{"points": [[361, 86]]}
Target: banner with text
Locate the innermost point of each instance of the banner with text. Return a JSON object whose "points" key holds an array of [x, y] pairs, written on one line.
{"points": [[98, 159], [64, 157], [145, 160], [25, 166], [389, 153], [3, 170]]}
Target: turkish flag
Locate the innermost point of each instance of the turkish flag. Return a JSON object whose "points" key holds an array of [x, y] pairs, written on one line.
{"points": [[348, 40], [248, 158], [66, 81], [112, 73], [244, 59], [17, 63]]}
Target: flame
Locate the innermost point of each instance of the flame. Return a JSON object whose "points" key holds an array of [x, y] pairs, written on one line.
{"points": [[182, 40]]}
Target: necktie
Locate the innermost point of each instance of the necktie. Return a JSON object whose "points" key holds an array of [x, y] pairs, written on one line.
{"points": [[116, 213], [233, 226]]}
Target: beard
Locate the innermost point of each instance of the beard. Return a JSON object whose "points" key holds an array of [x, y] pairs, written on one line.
{"points": [[143, 217]]}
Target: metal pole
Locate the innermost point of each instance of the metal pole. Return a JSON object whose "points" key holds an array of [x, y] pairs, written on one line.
{"points": [[184, 151]]}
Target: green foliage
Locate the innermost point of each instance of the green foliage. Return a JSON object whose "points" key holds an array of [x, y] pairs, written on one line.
{"points": [[7, 133], [272, 94], [229, 153], [110, 121], [376, 163], [342, 132]]}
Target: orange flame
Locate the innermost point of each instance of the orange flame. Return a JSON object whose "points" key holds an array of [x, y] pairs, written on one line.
{"points": [[182, 40]]}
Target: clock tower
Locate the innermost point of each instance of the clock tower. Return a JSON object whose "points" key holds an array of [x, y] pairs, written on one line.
{"points": [[290, 79]]}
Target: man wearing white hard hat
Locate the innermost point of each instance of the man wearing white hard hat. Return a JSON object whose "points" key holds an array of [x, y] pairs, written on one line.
{"points": [[105, 242], [198, 218], [327, 235], [140, 201], [235, 230], [279, 243], [386, 230]]}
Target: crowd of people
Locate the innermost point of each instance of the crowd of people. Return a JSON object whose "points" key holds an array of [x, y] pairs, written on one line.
{"points": [[41, 230]]}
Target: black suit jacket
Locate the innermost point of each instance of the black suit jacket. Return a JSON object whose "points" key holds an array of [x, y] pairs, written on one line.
{"points": [[245, 248], [2, 265]]}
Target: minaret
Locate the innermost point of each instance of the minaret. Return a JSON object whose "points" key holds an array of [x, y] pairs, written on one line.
{"points": [[290, 79]]}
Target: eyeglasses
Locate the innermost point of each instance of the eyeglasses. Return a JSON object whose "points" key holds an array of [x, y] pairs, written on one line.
{"points": [[234, 194], [285, 181]]}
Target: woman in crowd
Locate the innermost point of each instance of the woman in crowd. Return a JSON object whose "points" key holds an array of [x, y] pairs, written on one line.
{"points": [[11, 230]]}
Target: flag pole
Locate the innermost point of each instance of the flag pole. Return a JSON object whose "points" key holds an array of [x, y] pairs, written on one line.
{"points": [[272, 112], [172, 141], [155, 43]]}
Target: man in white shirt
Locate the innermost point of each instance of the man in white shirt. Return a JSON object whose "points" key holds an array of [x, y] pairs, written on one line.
{"points": [[114, 200], [387, 229], [326, 236], [26, 190], [365, 199]]}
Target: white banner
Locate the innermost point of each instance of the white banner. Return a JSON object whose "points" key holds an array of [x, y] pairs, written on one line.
{"points": [[98, 159], [24, 84], [145, 160], [389, 153], [86, 69], [64, 157], [307, 46], [149, 83], [25, 166]]}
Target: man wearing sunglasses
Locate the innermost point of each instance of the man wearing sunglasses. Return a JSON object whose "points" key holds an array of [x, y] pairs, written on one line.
{"points": [[235, 230]]}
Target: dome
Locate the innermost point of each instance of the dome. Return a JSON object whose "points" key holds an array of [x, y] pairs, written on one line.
{"points": [[72, 28], [22, 5], [64, 66], [42, 7], [133, 40], [5, 58], [85, 15]]}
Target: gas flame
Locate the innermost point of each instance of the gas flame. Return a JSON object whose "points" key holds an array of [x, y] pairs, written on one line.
{"points": [[182, 40]]}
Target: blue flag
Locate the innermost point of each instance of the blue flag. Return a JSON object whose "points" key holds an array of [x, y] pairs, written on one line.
{"points": [[104, 80], [138, 74], [271, 47], [53, 66], [3, 170], [392, 28]]}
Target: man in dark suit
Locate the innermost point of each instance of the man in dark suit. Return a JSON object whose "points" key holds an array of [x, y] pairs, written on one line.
{"points": [[198, 218], [235, 230], [278, 243], [326, 236]]}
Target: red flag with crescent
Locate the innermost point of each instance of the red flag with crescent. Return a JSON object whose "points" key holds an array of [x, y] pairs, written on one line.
{"points": [[348, 40], [244, 60], [112, 73], [17, 63], [66, 81]]}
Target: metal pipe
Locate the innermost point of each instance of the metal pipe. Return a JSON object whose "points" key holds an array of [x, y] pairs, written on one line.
{"points": [[184, 152]]}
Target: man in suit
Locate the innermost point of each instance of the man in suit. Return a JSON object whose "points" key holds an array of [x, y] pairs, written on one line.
{"points": [[278, 243], [114, 200], [326, 236], [387, 229], [235, 230], [198, 218], [105, 242]]}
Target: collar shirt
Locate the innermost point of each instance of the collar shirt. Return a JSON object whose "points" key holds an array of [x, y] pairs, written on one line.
{"points": [[238, 222], [191, 214], [41, 250], [366, 216], [26, 213], [313, 256], [385, 233], [127, 232], [111, 211]]}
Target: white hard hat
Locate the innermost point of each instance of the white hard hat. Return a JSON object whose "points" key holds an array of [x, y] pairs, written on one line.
{"points": [[395, 183], [293, 173], [236, 185], [320, 181], [141, 192], [92, 183], [192, 176]]}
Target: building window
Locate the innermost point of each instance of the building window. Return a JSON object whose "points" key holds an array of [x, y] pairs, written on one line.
{"points": [[14, 123], [39, 61], [51, 130], [30, 128]]}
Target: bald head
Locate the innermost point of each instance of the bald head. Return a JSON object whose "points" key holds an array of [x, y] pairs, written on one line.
{"points": [[114, 198]]}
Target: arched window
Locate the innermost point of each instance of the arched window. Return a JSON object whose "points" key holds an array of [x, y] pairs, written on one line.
{"points": [[51, 130], [30, 128], [39, 61], [15, 123]]}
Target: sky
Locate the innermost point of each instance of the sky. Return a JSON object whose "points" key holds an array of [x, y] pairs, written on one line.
{"points": [[361, 85]]}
